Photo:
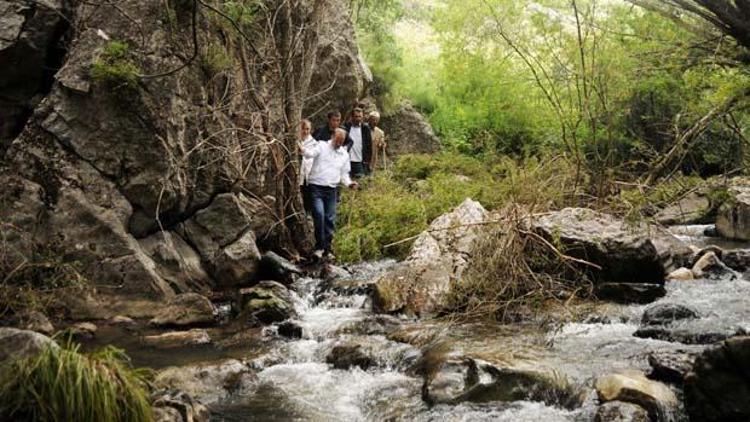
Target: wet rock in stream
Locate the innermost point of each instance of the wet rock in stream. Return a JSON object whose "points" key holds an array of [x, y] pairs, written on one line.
{"points": [[289, 329], [266, 303], [718, 387], [710, 266], [349, 355], [208, 382], [629, 292], [667, 313], [461, 379], [170, 405], [671, 366], [618, 411], [633, 387]]}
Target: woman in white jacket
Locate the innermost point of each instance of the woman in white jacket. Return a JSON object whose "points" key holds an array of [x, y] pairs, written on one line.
{"points": [[305, 141]]}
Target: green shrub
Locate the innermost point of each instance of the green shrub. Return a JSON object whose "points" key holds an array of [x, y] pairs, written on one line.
{"points": [[114, 66], [393, 208], [382, 212], [61, 384]]}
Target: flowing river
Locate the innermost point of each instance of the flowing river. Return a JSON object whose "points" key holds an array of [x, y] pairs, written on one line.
{"points": [[292, 379]]}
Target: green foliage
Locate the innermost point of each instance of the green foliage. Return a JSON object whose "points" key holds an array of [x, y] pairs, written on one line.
{"points": [[61, 384], [392, 208], [216, 59], [243, 12], [115, 66], [381, 213], [515, 78]]}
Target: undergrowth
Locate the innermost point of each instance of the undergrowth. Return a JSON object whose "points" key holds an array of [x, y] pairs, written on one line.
{"points": [[378, 220], [514, 272], [62, 384]]}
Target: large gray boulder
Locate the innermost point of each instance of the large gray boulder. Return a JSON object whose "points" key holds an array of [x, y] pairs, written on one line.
{"points": [[718, 386], [154, 174], [733, 220], [418, 286], [19, 344], [407, 131], [623, 254]]}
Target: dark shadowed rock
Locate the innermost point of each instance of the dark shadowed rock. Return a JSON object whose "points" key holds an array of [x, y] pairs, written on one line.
{"points": [[624, 254], [629, 292], [684, 335], [670, 366], [276, 268], [290, 329], [667, 313], [407, 131], [718, 387], [185, 310], [619, 411], [737, 259], [349, 355]]}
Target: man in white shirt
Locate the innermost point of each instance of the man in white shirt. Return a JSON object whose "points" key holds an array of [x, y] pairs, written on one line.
{"points": [[329, 169]]}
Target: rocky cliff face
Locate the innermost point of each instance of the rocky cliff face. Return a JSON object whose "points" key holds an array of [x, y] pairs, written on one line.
{"points": [[145, 139]]}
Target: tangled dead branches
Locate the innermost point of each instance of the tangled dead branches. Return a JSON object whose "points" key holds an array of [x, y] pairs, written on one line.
{"points": [[514, 272]]}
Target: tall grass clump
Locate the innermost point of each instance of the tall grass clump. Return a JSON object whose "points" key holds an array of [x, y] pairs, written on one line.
{"points": [[514, 271], [61, 384]]}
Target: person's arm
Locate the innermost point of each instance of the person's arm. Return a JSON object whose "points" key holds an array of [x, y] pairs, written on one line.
{"points": [[312, 149], [346, 168]]}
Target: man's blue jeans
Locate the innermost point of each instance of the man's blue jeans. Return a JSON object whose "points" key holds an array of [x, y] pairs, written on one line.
{"points": [[323, 201]]}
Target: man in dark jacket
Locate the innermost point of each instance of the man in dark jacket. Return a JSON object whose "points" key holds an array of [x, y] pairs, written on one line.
{"points": [[360, 150], [325, 133]]}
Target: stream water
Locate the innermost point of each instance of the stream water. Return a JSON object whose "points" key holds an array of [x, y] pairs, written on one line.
{"points": [[294, 382]]}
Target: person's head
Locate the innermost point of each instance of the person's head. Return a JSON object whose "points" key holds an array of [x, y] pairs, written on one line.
{"points": [[373, 118], [339, 137], [305, 127], [357, 116], [334, 119]]}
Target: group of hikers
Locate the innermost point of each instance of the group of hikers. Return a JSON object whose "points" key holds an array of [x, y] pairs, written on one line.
{"points": [[333, 156]]}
